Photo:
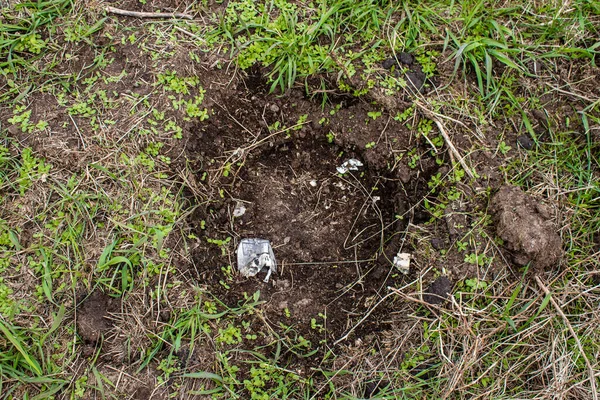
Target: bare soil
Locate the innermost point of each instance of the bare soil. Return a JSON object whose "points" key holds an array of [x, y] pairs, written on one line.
{"points": [[93, 316]]}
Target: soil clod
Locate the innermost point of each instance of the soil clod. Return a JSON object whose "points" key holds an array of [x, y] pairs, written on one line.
{"points": [[388, 63], [438, 244], [373, 388], [438, 291], [526, 227], [415, 80], [405, 58]]}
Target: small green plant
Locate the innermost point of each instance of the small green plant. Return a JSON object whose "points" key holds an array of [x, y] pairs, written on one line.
{"points": [[405, 115], [504, 148], [229, 335], [221, 243], [475, 284], [31, 169], [21, 117], [477, 259], [330, 137], [374, 114]]}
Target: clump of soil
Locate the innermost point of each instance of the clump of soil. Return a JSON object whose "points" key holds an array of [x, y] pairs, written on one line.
{"points": [[93, 316], [438, 291], [526, 227]]}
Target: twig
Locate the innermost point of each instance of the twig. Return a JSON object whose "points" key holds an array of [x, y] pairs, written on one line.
{"points": [[592, 375], [78, 132], [138, 14], [460, 158], [450, 145], [448, 141]]}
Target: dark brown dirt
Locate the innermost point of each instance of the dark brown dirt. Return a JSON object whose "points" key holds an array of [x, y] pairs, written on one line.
{"points": [[438, 291], [93, 316], [323, 226], [526, 226]]}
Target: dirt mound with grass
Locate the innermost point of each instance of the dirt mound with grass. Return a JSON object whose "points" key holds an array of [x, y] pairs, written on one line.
{"points": [[528, 229]]}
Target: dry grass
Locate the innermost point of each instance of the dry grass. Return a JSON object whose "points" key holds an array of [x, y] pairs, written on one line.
{"points": [[125, 209]]}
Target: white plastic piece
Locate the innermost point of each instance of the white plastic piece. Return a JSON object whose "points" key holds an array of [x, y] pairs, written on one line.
{"points": [[253, 256], [239, 210], [350, 165], [402, 262]]}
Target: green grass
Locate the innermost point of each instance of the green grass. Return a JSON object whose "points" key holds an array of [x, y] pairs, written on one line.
{"points": [[114, 212]]}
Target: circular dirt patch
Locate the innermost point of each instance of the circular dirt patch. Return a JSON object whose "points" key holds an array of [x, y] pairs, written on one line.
{"points": [[326, 230]]}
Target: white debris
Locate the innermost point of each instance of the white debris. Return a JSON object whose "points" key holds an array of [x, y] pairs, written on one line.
{"points": [[239, 210], [402, 262], [350, 165], [253, 256], [313, 183]]}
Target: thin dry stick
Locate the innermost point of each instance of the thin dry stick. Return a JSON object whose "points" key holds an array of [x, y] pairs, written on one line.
{"points": [[447, 139], [78, 132], [592, 375], [453, 150], [138, 14]]}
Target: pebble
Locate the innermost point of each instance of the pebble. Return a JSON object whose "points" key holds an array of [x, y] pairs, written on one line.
{"points": [[526, 142], [274, 108], [437, 243]]}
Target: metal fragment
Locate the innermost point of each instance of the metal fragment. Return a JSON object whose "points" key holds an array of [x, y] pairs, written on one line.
{"points": [[350, 165], [255, 255]]}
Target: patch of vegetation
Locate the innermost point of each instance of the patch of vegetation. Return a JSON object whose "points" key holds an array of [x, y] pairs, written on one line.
{"points": [[101, 192]]}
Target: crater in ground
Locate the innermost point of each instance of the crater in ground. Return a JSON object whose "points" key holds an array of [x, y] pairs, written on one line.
{"points": [[325, 228]]}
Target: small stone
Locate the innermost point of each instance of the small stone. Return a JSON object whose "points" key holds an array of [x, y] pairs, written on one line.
{"points": [[283, 283], [402, 262], [304, 302], [526, 142], [541, 117], [239, 210], [13, 130], [388, 63], [405, 58], [274, 108], [438, 291], [315, 125]]}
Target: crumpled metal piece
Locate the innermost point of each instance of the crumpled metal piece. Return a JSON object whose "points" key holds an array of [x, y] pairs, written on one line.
{"points": [[350, 165], [254, 255]]}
